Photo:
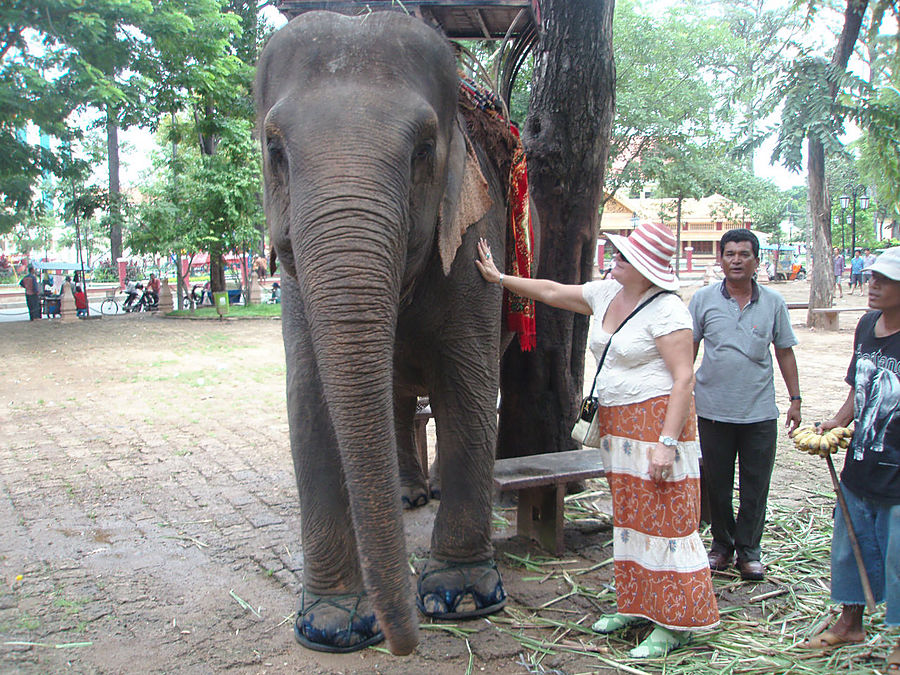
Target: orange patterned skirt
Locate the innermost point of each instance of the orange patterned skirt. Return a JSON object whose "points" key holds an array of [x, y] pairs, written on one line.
{"points": [[661, 567]]}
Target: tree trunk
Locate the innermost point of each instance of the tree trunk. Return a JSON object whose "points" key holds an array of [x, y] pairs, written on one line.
{"points": [[115, 206], [821, 289], [566, 138], [216, 268]]}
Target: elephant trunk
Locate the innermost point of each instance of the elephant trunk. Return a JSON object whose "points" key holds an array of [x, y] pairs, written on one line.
{"points": [[351, 292]]}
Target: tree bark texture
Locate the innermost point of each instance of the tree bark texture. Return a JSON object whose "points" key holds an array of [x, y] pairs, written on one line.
{"points": [[566, 139], [115, 205], [821, 289]]}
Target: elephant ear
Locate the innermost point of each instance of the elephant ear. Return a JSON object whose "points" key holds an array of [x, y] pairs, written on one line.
{"points": [[466, 198]]}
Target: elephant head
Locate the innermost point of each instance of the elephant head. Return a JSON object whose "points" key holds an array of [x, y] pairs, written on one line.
{"points": [[369, 177]]}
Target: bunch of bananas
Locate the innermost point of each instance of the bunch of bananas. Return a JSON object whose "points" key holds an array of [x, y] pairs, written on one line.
{"points": [[808, 440]]}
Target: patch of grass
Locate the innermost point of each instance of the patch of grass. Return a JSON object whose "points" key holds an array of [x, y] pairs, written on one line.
{"points": [[237, 311], [182, 453], [28, 622], [71, 606]]}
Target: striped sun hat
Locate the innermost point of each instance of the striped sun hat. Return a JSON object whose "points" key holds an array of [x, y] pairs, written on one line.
{"points": [[649, 248]]}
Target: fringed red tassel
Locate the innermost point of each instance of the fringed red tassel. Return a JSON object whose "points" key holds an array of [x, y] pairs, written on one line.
{"points": [[519, 253]]}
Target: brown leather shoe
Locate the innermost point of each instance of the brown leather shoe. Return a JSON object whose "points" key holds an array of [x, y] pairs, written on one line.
{"points": [[752, 570], [719, 562]]}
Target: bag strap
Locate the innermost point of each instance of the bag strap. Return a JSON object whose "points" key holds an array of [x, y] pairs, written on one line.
{"points": [[609, 342]]}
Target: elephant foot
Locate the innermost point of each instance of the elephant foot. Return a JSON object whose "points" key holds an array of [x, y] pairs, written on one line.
{"points": [[336, 623], [460, 590], [413, 496]]}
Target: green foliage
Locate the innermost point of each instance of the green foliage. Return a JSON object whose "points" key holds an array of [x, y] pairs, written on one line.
{"points": [[33, 93], [213, 203], [690, 80], [809, 110]]}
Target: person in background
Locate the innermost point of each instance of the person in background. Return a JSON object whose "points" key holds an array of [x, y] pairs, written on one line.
{"points": [[838, 258], [869, 259], [870, 479], [152, 289], [132, 292], [80, 301], [46, 284], [737, 320], [32, 293], [649, 445], [276, 293], [261, 269], [856, 270]]}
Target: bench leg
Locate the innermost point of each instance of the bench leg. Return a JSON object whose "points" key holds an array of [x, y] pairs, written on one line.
{"points": [[540, 516], [422, 445], [832, 321]]}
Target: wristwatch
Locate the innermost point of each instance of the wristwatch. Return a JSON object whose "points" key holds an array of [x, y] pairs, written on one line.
{"points": [[668, 441]]}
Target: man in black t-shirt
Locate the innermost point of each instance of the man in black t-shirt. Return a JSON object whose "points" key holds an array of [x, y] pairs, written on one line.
{"points": [[870, 480]]}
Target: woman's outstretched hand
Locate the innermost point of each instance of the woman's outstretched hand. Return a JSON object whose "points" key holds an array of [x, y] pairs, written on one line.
{"points": [[485, 263]]}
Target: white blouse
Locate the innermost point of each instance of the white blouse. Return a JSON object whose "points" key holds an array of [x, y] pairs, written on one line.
{"points": [[634, 370]]}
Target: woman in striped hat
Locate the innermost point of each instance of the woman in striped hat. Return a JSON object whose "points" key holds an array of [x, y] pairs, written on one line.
{"points": [[649, 437]]}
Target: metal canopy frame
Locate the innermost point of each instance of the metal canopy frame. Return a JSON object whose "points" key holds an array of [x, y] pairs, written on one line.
{"points": [[515, 22]]}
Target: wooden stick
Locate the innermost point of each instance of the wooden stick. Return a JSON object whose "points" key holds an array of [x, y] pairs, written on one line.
{"points": [[851, 533]]}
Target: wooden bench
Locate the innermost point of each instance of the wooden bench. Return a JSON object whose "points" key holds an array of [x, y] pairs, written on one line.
{"points": [[798, 305], [832, 315], [541, 484]]}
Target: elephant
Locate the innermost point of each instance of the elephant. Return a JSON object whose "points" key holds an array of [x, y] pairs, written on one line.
{"points": [[376, 194]]}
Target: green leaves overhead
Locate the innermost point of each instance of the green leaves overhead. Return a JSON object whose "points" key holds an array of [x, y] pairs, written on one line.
{"points": [[809, 110], [214, 200], [690, 83]]}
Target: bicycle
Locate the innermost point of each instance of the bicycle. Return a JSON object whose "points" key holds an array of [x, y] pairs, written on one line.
{"points": [[110, 305]]}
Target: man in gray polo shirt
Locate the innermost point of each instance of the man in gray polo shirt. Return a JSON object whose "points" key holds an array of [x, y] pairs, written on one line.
{"points": [[735, 397]]}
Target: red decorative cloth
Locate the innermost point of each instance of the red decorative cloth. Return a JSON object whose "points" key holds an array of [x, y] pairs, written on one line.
{"points": [[519, 249], [519, 311]]}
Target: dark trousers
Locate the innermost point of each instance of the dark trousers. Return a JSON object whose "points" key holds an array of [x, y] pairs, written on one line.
{"points": [[753, 446], [34, 306]]}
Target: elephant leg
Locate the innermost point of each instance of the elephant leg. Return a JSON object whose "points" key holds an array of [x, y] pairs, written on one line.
{"points": [[434, 476], [413, 489], [461, 579], [335, 615]]}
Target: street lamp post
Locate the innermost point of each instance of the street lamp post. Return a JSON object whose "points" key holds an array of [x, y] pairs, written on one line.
{"points": [[863, 202], [843, 246]]}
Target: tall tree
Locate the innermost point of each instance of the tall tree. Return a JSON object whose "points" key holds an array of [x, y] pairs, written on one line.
{"points": [[821, 290], [809, 90], [566, 137], [36, 96], [105, 62], [197, 69]]}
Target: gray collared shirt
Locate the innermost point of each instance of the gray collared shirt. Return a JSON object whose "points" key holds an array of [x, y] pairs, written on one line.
{"points": [[735, 379]]}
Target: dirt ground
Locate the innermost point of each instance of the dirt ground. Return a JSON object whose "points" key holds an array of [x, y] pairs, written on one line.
{"points": [[149, 518]]}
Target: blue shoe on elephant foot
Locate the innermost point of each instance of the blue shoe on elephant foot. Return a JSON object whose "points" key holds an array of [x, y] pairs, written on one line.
{"points": [[460, 590], [336, 623], [414, 501]]}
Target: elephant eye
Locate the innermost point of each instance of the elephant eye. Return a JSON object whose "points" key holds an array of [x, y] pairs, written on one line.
{"points": [[422, 161], [278, 164]]}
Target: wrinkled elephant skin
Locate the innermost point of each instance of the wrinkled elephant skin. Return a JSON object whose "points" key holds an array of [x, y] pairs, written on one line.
{"points": [[375, 199]]}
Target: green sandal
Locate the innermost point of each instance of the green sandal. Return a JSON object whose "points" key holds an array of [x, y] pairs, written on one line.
{"points": [[610, 623], [660, 642]]}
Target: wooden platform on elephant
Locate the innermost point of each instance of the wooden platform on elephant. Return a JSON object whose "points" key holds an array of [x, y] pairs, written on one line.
{"points": [[459, 19], [540, 481]]}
